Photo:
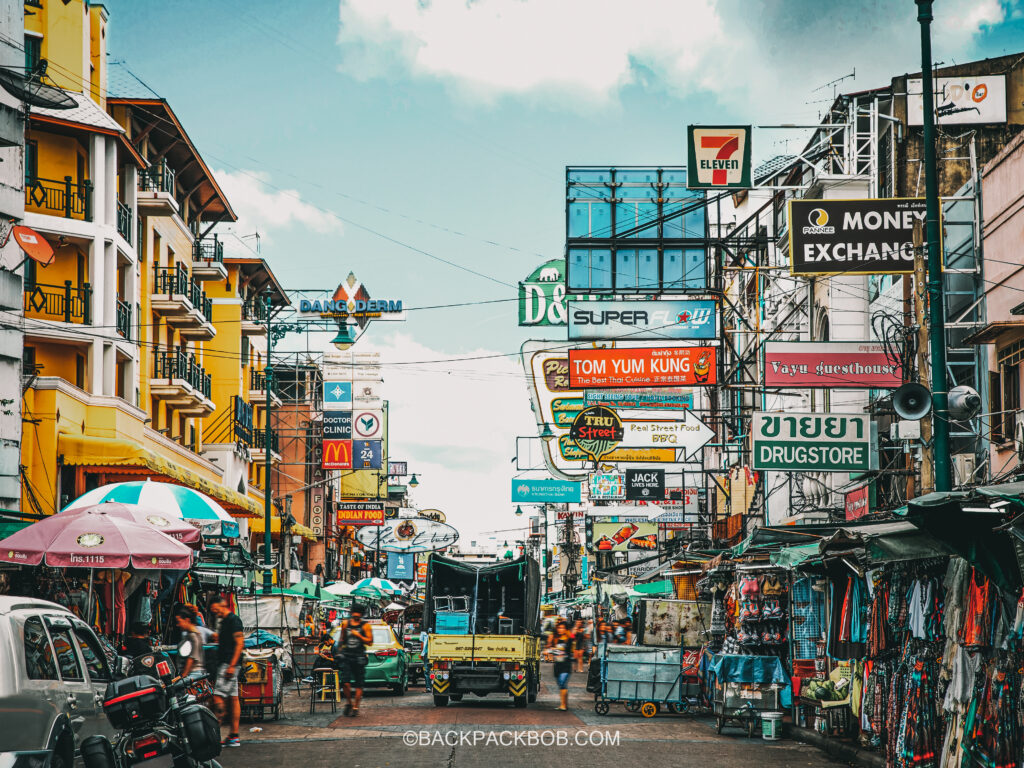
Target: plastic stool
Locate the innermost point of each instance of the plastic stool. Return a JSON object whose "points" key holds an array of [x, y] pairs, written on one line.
{"points": [[325, 688]]}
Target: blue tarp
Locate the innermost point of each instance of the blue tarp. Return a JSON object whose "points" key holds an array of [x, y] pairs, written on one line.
{"points": [[263, 639], [730, 668]]}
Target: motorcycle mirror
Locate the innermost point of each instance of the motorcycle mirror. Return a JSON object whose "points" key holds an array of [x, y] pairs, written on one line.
{"points": [[185, 648]]}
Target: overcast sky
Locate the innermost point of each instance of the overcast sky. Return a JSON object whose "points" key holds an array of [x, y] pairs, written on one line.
{"points": [[388, 137]]}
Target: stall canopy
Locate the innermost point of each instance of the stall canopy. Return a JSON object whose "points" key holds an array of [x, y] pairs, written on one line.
{"points": [[870, 543]]}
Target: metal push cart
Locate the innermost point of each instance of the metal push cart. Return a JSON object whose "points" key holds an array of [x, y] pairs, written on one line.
{"points": [[743, 687], [261, 687], [645, 679]]}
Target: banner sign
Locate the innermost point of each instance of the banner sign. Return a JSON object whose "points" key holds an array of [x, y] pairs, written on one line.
{"points": [[812, 442], [596, 430], [853, 237], [642, 367], [689, 433], [607, 485], [367, 454], [337, 425], [960, 100], [402, 566], [416, 535], [718, 157], [623, 537], [640, 320], [398, 468], [830, 364], [645, 484], [337, 454], [360, 513], [662, 399], [367, 395], [337, 395], [569, 450], [675, 513], [368, 425], [546, 491], [858, 502], [542, 295]]}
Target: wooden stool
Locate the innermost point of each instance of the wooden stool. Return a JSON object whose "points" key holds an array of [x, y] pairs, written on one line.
{"points": [[325, 688]]}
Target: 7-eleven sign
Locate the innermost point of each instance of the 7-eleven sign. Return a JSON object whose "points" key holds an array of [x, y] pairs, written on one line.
{"points": [[718, 157]]}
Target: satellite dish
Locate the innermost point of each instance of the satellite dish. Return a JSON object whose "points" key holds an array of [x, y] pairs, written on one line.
{"points": [[964, 403], [30, 89], [912, 401]]}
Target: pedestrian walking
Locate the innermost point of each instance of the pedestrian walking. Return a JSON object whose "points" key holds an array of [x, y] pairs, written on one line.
{"points": [[229, 651], [562, 650], [185, 619], [350, 656], [578, 644]]}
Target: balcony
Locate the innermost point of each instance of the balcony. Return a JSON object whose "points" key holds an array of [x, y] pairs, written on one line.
{"points": [[259, 442], [156, 190], [181, 382], [59, 198], [63, 303], [254, 316], [123, 319], [124, 221], [183, 302], [208, 259], [258, 389]]}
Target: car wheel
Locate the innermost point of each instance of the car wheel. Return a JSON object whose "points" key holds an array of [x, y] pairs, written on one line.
{"points": [[402, 686]]}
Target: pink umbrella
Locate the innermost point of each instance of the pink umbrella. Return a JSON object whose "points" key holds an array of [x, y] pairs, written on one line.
{"points": [[174, 527], [94, 539]]}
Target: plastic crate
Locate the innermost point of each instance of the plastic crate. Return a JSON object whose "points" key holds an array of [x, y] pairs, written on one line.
{"points": [[451, 623]]}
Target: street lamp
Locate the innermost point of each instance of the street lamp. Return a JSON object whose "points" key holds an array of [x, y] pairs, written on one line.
{"points": [[546, 433], [413, 482], [519, 511], [345, 338]]}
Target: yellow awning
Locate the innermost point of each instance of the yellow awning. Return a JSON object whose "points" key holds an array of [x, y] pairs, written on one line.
{"points": [[90, 451], [298, 529]]}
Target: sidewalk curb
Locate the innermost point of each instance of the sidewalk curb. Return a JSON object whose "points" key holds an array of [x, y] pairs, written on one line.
{"points": [[833, 748]]}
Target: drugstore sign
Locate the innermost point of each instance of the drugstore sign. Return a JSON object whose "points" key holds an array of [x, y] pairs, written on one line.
{"points": [[813, 442]]}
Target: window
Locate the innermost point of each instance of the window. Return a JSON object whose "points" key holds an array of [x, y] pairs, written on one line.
{"points": [[1011, 397], [95, 661], [996, 407], [28, 360], [38, 654], [31, 274], [64, 649], [382, 635], [79, 371], [33, 52], [31, 162]]}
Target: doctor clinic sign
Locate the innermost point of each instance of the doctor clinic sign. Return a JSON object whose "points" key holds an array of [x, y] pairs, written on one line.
{"points": [[813, 442]]}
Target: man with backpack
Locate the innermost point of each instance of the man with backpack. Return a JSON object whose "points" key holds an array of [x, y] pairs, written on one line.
{"points": [[354, 636]]}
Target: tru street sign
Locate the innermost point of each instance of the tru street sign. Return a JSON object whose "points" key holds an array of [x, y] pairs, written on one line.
{"points": [[813, 442]]}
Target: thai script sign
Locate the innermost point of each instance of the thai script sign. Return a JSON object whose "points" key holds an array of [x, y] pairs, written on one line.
{"points": [[812, 442]]}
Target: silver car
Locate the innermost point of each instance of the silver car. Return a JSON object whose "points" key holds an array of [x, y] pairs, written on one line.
{"points": [[53, 674]]}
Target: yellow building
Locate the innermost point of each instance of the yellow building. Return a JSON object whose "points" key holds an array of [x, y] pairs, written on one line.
{"points": [[140, 340]]}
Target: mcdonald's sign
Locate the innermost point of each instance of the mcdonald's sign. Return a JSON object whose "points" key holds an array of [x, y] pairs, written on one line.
{"points": [[337, 454]]}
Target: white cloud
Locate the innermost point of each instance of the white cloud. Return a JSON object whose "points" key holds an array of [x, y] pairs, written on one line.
{"points": [[456, 424], [577, 53], [267, 209]]}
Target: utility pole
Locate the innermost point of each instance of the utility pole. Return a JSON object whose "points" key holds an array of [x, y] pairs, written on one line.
{"points": [[268, 373], [927, 447], [936, 304]]}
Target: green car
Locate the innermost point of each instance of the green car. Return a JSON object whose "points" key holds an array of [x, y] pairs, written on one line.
{"points": [[387, 662]]}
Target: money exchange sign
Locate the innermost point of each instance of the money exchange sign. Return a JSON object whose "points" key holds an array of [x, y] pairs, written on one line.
{"points": [[812, 442]]}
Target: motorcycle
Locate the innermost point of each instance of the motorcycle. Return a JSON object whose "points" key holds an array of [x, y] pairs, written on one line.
{"points": [[159, 723]]}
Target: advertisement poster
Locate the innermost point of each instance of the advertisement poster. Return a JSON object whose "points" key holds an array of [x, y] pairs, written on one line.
{"points": [[645, 484], [643, 320], [607, 486], [853, 237], [401, 566], [858, 502], [960, 100], [367, 454], [642, 367], [360, 512], [624, 537], [830, 364], [546, 491], [661, 399]]}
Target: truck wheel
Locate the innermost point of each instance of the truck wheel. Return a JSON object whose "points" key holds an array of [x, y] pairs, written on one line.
{"points": [[440, 701], [520, 702]]}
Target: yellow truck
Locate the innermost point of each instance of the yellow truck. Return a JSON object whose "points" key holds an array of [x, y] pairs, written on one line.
{"points": [[482, 622]]}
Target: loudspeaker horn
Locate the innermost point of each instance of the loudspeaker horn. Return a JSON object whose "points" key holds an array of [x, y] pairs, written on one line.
{"points": [[912, 401], [964, 403]]}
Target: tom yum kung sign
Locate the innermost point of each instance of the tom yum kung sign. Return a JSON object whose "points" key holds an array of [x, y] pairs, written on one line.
{"points": [[832, 237], [642, 367], [829, 364], [813, 442]]}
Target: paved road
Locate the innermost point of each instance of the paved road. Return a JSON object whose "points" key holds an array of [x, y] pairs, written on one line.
{"points": [[489, 733]]}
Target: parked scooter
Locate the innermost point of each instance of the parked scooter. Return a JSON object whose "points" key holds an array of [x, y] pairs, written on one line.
{"points": [[159, 723]]}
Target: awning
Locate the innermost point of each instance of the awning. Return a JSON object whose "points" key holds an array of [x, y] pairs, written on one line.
{"points": [[256, 525], [89, 451], [656, 588]]}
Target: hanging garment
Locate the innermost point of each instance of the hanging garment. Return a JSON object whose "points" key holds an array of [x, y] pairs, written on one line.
{"points": [[920, 734], [858, 624], [976, 628], [954, 587], [117, 624], [965, 666], [878, 627], [919, 608], [846, 612]]}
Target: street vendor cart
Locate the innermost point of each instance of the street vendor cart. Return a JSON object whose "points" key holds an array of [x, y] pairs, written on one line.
{"points": [[646, 680], [744, 687], [261, 686]]}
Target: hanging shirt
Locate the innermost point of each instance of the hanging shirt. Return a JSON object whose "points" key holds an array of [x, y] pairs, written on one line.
{"points": [[919, 608]]}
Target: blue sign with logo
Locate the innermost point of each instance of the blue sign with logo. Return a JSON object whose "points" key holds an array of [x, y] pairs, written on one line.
{"points": [[401, 566], [643, 320], [546, 491], [367, 454], [337, 395]]}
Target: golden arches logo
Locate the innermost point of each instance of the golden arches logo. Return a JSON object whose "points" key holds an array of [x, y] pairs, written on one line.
{"points": [[337, 454], [818, 217]]}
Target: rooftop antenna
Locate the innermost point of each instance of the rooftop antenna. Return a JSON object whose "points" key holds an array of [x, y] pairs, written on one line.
{"points": [[834, 84]]}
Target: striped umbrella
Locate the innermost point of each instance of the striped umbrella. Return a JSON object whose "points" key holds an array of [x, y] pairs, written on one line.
{"points": [[375, 588], [168, 498]]}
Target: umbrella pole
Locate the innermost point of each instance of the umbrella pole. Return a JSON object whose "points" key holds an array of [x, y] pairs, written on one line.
{"points": [[88, 600]]}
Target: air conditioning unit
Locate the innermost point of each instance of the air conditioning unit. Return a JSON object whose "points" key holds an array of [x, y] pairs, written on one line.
{"points": [[1018, 433], [964, 465]]}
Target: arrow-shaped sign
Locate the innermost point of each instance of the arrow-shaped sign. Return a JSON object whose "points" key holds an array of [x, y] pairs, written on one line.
{"points": [[688, 434]]}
